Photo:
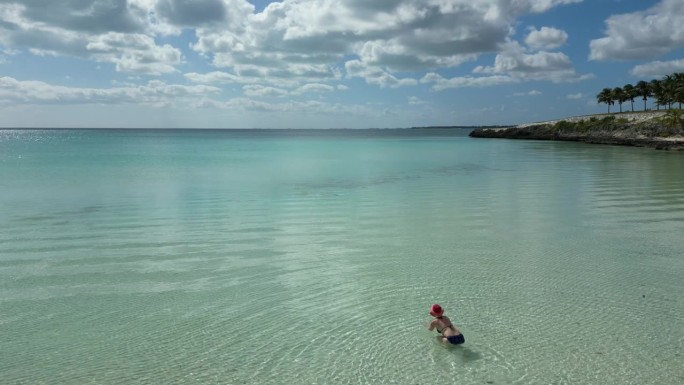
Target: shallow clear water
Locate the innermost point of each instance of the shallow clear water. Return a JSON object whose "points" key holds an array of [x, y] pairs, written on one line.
{"points": [[312, 257]]}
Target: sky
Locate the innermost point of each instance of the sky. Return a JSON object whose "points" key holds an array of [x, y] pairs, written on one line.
{"points": [[325, 63]]}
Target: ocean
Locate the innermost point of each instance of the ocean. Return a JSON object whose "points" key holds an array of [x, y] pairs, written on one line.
{"points": [[313, 257]]}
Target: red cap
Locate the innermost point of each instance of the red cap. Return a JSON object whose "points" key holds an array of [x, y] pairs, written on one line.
{"points": [[436, 310]]}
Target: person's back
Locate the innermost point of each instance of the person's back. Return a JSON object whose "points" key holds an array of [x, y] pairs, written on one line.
{"points": [[448, 332]]}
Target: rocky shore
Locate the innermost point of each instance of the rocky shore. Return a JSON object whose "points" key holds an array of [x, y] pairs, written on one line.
{"points": [[657, 129]]}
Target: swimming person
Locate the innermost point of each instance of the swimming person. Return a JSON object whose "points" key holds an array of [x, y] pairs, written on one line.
{"points": [[448, 332]]}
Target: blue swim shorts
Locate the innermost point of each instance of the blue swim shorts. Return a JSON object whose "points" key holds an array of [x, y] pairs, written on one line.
{"points": [[456, 340]]}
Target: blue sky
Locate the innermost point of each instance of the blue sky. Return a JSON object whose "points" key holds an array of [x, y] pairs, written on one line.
{"points": [[325, 63]]}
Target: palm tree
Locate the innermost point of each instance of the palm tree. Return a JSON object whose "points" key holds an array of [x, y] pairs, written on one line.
{"points": [[605, 96], [630, 94], [619, 96], [643, 89], [668, 90], [678, 96], [665, 92], [673, 89], [657, 90]]}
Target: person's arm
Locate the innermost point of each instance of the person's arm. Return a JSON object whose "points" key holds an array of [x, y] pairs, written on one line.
{"points": [[431, 325]]}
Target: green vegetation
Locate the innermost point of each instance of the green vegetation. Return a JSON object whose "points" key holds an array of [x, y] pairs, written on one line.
{"points": [[607, 123], [673, 118], [671, 124], [665, 92]]}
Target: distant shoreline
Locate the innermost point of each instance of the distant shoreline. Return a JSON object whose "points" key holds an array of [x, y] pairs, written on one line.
{"points": [[463, 127], [662, 130], [251, 128]]}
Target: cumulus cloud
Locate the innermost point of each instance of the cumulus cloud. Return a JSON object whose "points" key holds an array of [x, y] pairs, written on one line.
{"points": [[440, 83], [154, 92], [255, 89], [375, 40], [215, 77], [394, 55], [658, 69], [546, 38], [312, 107], [313, 88], [519, 63], [376, 75], [529, 93], [113, 31], [134, 53], [642, 35], [539, 6], [260, 91], [237, 104], [197, 12], [415, 101], [288, 44], [574, 96], [88, 16], [222, 77]]}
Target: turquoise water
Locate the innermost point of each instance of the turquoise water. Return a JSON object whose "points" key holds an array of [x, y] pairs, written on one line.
{"points": [[312, 257]]}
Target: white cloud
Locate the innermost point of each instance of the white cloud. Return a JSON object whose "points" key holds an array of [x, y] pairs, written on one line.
{"points": [[529, 93], [517, 62], [376, 75], [440, 83], [222, 77], [154, 92], [311, 107], [382, 38], [539, 6], [574, 96], [215, 77], [415, 101], [546, 38], [157, 94], [134, 53], [198, 13], [219, 77], [9, 51], [313, 88], [395, 55], [658, 69], [115, 32], [642, 35], [514, 63], [244, 104], [263, 91], [91, 17], [288, 44]]}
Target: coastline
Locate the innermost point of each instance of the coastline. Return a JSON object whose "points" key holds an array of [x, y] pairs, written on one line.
{"points": [[641, 129]]}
